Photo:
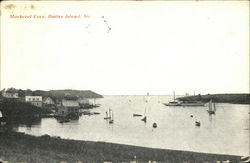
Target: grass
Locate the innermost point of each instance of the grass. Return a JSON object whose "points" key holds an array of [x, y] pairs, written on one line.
{"points": [[19, 147]]}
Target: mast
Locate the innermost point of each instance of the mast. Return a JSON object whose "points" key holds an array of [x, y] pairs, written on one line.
{"points": [[107, 115], [210, 105], [174, 95], [112, 116]]}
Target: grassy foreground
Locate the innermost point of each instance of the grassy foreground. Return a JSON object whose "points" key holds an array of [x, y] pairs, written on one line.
{"points": [[19, 147]]}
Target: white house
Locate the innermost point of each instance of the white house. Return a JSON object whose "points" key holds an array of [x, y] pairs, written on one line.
{"points": [[48, 101], [10, 95], [34, 100]]}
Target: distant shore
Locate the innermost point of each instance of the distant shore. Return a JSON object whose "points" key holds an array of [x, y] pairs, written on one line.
{"points": [[222, 98], [19, 147]]}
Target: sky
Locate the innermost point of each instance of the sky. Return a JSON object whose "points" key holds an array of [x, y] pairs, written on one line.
{"points": [[156, 47]]}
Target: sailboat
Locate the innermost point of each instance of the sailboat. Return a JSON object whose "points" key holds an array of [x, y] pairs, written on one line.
{"points": [[145, 117], [111, 120], [108, 115], [211, 107], [173, 103]]}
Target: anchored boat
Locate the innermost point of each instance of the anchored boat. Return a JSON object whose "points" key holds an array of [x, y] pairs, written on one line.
{"points": [[197, 123], [173, 103], [211, 108]]}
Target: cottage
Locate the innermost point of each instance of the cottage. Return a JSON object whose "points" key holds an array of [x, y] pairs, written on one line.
{"points": [[34, 100], [84, 101], [68, 107], [10, 95], [2, 121], [48, 101]]}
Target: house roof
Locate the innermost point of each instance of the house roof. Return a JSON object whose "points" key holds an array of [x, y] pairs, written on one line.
{"points": [[48, 98], [70, 103]]}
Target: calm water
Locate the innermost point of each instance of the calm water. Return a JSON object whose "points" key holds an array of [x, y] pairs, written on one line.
{"points": [[227, 132]]}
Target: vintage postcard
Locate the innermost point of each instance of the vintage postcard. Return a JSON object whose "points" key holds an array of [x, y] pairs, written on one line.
{"points": [[124, 81]]}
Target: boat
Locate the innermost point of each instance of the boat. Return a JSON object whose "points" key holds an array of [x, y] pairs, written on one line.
{"points": [[244, 159], [154, 125], [63, 120], [144, 119], [87, 112], [137, 115], [111, 120], [173, 103], [197, 123], [211, 108], [107, 115]]}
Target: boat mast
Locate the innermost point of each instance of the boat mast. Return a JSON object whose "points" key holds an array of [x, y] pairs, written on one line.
{"points": [[112, 116], [210, 105], [214, 107], [174, 95], [107, 115]]}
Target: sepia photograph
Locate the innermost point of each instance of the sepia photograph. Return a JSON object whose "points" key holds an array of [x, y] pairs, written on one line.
{"points": [[124, 81]]}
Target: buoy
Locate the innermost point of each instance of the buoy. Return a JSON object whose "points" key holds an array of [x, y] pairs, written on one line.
{"points": [[154, 125]]}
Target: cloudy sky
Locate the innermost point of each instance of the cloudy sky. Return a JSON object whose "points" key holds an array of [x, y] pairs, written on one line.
{"points": [[154, 47]]}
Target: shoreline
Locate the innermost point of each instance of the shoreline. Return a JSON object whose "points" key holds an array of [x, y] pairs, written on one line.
{"points": [[241, 98], [20, 147]]}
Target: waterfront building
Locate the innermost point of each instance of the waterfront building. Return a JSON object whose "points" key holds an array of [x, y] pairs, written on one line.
{"points": [[34, 100], [68, 107]]}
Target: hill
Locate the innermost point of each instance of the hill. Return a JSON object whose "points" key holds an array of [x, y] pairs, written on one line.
{"points": [[57, 94], [79, 93], [224, 98]]}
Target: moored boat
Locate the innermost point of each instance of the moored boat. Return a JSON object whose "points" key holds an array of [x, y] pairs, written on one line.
{"points": [[144, 119], [211, 107], [137, 115], [173, 103], [197, 123]]}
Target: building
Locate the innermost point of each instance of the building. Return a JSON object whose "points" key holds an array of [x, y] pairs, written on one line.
{"points": [[34, 100], [68, 107], [10, 95], [48, 101], [84, 101]]}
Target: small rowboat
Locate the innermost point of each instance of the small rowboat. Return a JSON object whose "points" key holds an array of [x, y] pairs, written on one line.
{"points": [[137, 115], [154, 125]]}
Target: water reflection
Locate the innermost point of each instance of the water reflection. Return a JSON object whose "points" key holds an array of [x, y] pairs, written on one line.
{"points": [[24, 122]]}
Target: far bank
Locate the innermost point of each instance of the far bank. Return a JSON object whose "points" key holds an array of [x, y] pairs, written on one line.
{"points": [[243, 98]]}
